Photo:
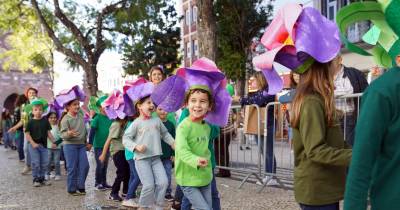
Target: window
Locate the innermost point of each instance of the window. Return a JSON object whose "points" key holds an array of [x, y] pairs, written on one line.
{"points": [[188, 52], [194, 14], [187, 17], [196, 48], [332, 9]]}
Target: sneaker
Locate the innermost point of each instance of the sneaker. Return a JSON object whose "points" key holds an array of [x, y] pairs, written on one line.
{"points": [[169, 197], [272, 182], [52, 175], [26, 170], [108, 187], [37, 184], [248, 148], [114, 198], [57, 177], [176, 205], [81, 192], [22, 161], [130, 203], [100, 187], [74, 193], [123, 195], [46, 183], [46, 177]]}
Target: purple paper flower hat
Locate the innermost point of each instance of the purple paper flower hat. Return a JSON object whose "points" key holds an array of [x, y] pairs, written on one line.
{"points": [[114, 106], [204, 74], [135, 93], [296, 38], [54, 108], [65, 96]]}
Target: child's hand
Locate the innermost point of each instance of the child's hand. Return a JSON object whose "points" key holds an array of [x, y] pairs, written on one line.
{"points": [[202, 162], [173, 146], [102, 158], [72, 133], [53, 146], [35, 145], [11, 130], [140, 148], [88, 147]]}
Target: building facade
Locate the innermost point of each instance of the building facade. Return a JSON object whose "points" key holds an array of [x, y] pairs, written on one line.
{"points": [[190, 45]]}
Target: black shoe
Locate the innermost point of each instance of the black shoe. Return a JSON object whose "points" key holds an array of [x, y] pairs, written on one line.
{"points": [[74, 193], [176, 205], [108, 187], [223, 175], [241, 148], [81, 192], [248, 147], [114, 198], [123, 195], [169, 197]]}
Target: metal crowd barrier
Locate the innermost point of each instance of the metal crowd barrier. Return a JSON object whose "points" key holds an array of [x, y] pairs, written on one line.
{"points": [[249, 165]]}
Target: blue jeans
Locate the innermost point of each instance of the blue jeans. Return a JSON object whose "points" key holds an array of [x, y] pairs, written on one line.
{"points": [[334, 206], [101, 167], [19, 140], [77, 166], [199, 197], [39, 162], [349, 129], [155, 182], [26, 151], [8, 141], [269, 157], [54, 157], [167, 163], [134, 180], [216, 202]]}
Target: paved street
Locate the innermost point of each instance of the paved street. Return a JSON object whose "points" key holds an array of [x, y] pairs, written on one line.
{"points": [[17, 192]]}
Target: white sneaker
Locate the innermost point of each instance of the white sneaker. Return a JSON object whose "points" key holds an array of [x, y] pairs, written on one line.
{"points": [[46, 177], [130, 203], [57, 177], [272, 182], [26, 170], [52, 175]]}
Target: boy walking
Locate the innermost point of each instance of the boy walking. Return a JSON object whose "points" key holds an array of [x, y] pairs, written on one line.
{"points": [[37, 131]]}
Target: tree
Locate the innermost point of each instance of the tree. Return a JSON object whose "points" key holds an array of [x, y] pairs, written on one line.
{"points": [[83, 31], [207, 29], [238, 22], [158, 43], [27, 47]]}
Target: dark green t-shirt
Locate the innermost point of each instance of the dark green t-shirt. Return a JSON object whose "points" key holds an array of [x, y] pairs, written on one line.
{"points": [[38, 129], [166, 149], [101, 124]]}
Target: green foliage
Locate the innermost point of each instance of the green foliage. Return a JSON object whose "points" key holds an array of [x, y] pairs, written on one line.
{"points": [[27, 47], [156, 40], [238, 22]]}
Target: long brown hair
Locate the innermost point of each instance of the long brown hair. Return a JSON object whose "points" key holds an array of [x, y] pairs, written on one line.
{"points": [[317, 80], [261, 81]]}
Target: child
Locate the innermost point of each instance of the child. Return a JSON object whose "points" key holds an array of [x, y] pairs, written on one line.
{"points": [[37, 131], [6, 124], [99, 128], [54, 153], [144, 137], [167, 156], [73, 132]]}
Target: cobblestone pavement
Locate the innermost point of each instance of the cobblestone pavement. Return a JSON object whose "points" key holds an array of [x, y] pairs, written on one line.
{"points": [[17, 192]]}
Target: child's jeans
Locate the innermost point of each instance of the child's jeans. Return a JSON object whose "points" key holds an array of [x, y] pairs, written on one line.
{"points": [[77, 166], [19, 140], [54, 158], [101, 167], [134, 180], [122, 173], [199, 197], [39, 162], [216, 202], [167, 163], [155, 182], [27, 152]]}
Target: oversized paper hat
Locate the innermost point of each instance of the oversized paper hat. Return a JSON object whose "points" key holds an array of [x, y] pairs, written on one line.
{"points": [[135, 94], [130, 83], [114, 106], [54, 108], [66, 96], [296, 38], [384, 33], [203, 74], [37, 101]]}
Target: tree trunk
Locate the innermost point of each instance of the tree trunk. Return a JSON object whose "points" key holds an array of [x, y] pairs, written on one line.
{"points": [[91, 79], [206, 29]]}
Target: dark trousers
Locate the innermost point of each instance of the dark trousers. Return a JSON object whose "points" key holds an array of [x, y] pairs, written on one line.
{"points": [[101, 167], [20, 144], [221, 147], [123, 173], [334, 206]]}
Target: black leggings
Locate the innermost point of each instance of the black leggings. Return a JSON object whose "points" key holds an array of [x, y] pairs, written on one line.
{"points": [[122, 173]]}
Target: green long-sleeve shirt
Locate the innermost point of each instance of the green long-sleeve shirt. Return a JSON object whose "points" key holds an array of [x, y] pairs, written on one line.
{"points": [[375, 167], [320, 156]]}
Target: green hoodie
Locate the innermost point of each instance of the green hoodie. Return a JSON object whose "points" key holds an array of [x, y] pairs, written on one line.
{"points": [[192, 140]]}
